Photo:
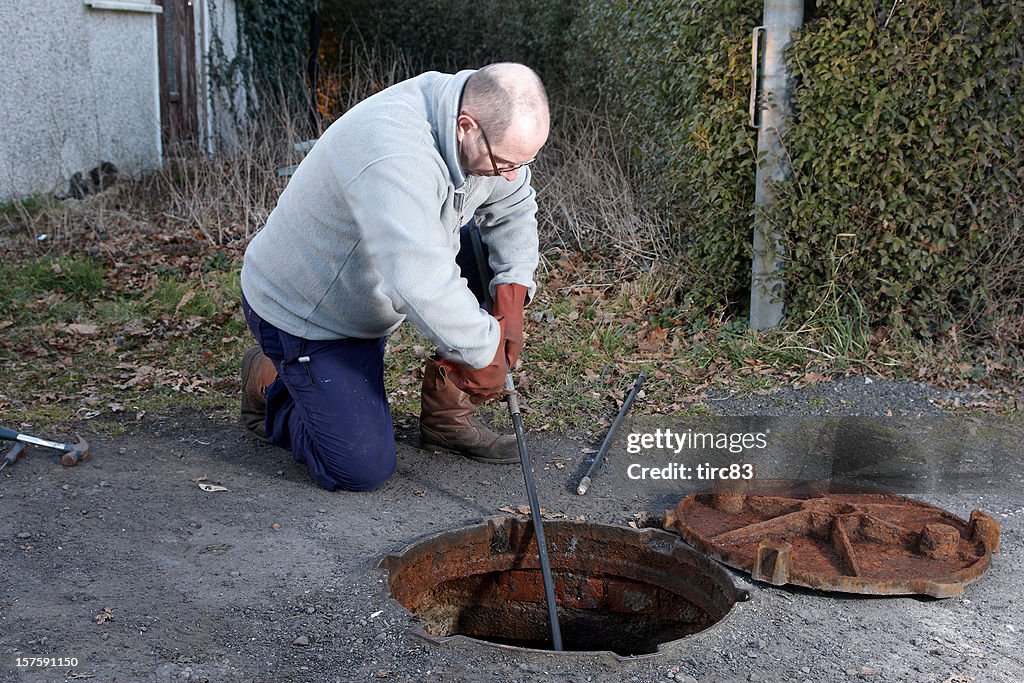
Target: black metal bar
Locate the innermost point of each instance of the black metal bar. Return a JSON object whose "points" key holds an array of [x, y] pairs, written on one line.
{"points": [[599, 458], [538, 524]]}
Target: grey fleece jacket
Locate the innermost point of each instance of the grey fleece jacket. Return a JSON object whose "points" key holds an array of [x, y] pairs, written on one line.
{"points": [[366, 232]]}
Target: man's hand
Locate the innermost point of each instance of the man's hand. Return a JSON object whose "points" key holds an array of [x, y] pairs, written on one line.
{"points": [[509, 301], [489, 382]]}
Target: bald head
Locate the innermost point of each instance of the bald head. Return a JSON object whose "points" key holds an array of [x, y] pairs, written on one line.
{"points": [[507, 98]]}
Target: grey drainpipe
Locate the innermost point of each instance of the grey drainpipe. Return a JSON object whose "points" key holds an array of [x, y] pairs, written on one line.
{"points": [[770, 110]]}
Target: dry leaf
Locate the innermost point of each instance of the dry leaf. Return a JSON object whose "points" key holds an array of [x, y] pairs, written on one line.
{"points": [[84, 329], [199, 479], [106, 615], [506, 508], [185, 298]]}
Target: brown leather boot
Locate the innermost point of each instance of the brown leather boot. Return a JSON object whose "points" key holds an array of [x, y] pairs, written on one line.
{"points": [[258, 372], [446, 422]]}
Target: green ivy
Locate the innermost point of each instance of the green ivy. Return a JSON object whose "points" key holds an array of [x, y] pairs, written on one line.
{"points": [[908, 138], [679, 73], [906, 197], [271, 54]]}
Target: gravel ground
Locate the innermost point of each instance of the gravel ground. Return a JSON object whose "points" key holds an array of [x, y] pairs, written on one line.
{"points": [[125, 566]]}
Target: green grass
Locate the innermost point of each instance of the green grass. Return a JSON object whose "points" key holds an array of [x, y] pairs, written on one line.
{"points": [[79, 279], [25, 208]]}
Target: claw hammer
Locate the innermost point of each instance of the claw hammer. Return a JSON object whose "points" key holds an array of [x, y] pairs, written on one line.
{"points": [[73, 453]]}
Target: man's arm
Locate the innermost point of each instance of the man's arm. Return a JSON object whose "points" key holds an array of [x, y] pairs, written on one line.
{"points": [[508, 225], [398, 217]]}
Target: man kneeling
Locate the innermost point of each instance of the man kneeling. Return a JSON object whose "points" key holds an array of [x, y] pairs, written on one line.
{"points": [[416, 204]]}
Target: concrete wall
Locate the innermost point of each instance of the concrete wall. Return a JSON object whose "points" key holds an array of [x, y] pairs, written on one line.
{"points": [[80, 85], [77, 86]]}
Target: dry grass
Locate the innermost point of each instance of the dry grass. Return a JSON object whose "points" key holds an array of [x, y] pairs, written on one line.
{"points": [[587, 201]]}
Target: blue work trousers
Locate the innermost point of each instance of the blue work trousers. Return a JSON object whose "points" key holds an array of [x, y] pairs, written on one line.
{"points": [[328, 405]]}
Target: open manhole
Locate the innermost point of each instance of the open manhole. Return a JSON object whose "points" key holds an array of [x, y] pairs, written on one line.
{"points": [[617, 589]]}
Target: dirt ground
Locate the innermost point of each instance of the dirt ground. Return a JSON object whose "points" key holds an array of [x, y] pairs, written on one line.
{"points": [[125, 566]]}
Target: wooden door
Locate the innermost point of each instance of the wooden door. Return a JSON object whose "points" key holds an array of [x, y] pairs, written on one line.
{"points": [[179, 117]]}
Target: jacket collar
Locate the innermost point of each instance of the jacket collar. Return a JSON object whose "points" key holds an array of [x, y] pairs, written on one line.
{"points": [[447, 101]]}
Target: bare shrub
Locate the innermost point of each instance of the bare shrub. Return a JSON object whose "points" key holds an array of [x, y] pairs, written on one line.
{"points": [[586, 197], [229, 195]]}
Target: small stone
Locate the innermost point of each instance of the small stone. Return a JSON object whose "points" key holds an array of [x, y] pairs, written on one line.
{"points": [[805, 669], [310, 610], [754, 677], [24, 534], [866, 672], [301, 641], [685, 678], [236, 574]]}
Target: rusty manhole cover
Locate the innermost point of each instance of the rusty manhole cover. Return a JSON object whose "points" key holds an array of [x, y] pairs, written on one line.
{"points": [[800, 533], [617, 589]]}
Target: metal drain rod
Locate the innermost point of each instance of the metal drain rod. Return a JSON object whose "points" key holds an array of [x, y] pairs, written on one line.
{"points": [[599, 458], [538, 524]]}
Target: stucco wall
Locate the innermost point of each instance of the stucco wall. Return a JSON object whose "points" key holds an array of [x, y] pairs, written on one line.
{"points": [[77, 86]]}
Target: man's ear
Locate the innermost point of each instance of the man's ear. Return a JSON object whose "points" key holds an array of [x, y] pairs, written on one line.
{"points": [[463, 124]]}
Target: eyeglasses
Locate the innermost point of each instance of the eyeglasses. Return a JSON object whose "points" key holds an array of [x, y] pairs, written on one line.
{"points": [[494, 163]]}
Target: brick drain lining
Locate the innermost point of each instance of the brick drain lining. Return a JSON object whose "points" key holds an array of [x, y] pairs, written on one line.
{"points": [[617, 589]]}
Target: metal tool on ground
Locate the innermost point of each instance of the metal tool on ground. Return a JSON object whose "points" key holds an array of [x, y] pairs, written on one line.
{"points": [[538, 524], [73, 453], [12, 455], [599, 458]]}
